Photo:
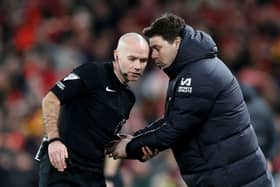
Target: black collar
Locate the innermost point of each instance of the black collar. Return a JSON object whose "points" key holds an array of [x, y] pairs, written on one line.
{"points": [[112, 79]]}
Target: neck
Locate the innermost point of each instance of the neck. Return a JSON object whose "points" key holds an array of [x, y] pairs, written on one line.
{"points": [[119, 74]]}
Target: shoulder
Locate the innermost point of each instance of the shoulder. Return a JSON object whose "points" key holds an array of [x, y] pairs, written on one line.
{"points": [[90, 70], [203, 78], [92, 74], [213, 71]]}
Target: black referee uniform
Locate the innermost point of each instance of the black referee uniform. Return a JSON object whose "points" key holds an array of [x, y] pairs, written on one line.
{"points": [[94, 106]]}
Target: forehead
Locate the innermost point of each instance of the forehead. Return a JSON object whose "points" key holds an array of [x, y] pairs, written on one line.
{"points": [[136, 51], [157, 40]]}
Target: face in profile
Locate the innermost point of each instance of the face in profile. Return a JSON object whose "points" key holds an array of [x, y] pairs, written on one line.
{"points": [[132, 59], [163, 52]]}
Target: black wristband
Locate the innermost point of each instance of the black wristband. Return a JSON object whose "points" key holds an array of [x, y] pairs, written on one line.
{"points": [[55, 139], [111, 178]]}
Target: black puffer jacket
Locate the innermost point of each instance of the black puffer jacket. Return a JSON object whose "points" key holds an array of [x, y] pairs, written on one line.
{"points": [[206, 122]]}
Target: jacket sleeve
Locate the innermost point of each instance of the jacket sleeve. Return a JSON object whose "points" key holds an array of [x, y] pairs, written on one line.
{"points": [[186, 113], [156, 124]]}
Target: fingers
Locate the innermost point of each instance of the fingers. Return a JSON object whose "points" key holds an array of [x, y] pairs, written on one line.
{"points": [[156, 152], [148, 153], [118, 151], [114, 145], [110, 147], [115, 156], [110, 151], [58, 154], [59, 161], [112, 155]]}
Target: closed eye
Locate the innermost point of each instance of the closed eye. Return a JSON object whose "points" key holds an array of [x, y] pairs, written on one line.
{"points": [[156, 47], [142, 60]]}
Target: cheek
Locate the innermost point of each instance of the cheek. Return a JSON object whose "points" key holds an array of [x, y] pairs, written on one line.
{"points": [[125, 65], [164, 55], [123, 68], [171, 54], [143, 66]]}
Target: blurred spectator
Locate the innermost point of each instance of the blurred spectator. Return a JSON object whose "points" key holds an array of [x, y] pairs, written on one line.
{"points": [[262, 121], [265, 85]]}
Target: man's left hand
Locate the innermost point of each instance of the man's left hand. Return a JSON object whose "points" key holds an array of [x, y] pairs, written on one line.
{"points": [[148, 153], [120, 149], [117, 148]]}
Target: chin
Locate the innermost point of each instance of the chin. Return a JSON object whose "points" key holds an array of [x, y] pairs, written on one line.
{"points": [[134, 79], [160, 66]]}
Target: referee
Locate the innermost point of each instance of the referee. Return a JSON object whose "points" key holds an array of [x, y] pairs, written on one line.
{"points": [[85, 111]]}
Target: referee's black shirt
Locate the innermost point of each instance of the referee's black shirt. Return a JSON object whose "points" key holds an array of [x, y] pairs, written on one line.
{"points": [[93, 104]]}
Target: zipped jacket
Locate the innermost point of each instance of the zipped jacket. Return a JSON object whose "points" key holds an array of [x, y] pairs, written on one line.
{"points": [[206, 122]]}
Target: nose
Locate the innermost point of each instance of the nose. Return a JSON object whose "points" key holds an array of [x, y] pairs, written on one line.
{"points": [[137, 65], [154, 54]]}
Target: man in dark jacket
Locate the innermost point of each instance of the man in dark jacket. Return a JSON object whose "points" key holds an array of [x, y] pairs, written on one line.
{"points": [[206, 122]]}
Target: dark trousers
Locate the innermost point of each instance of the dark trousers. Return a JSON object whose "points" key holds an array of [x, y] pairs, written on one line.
{"points": [[72, 176]]}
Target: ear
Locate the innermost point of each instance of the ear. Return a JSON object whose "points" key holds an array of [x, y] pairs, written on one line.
{"points": [[177, 42], [115, 54]]}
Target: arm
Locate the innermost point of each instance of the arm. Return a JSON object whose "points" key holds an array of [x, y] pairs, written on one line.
{"points": [[50, 109], [184, 118], [156, 124], [111, 166], [111, 170], [57, 150], [72, 86], [187, 111]]}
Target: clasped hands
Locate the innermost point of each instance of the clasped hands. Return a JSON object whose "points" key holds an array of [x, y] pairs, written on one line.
{"points": [[117, 148]]}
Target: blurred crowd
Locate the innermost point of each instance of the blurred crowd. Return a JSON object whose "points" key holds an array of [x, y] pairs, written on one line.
{"points": [[42, 40]]}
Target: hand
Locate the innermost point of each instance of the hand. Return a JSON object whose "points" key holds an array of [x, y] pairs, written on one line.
{"points": [[110, 147], [117, 148], [148, 153], [109, 183], [58, 154]]}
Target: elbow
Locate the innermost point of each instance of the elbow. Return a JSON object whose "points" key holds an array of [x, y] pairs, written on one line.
{"points": [[50, 98]]}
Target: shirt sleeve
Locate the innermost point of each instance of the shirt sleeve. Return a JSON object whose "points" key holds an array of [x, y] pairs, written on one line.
{"points": [[69, 87], [77, 83]]}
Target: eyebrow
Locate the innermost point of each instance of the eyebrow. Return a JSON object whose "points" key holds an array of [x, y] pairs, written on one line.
{"points": [[155, 46], [132, 56]]}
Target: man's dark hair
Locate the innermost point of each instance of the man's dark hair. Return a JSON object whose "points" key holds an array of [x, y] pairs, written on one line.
{"points": [[168, 26]]}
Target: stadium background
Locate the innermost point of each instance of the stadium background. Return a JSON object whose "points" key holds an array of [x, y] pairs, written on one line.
{"points": [[42, 40]]}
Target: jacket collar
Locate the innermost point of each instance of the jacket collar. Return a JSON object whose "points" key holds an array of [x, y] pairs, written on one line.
{"points": [[195, 45]]}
